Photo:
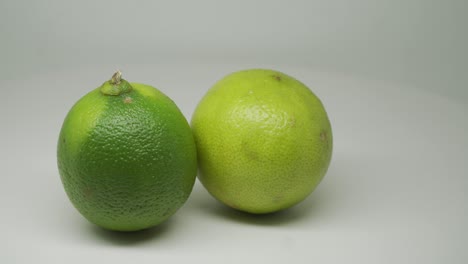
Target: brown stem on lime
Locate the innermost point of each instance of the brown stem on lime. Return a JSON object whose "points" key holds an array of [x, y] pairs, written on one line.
{"points": [[116, 85], [116, 78]]}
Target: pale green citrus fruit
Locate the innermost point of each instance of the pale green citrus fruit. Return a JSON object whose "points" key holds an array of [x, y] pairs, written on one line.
{"points": [[126, 156], [264, 140]]}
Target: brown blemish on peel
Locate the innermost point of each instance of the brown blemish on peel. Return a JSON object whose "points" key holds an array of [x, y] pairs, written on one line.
{"points": [[277, 77], [128, 100], [249, 152], [87, 192], [323, 136]]}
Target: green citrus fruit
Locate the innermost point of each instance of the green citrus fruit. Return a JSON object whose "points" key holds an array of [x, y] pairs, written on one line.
{"points": [[126, 156], [264, 140]]}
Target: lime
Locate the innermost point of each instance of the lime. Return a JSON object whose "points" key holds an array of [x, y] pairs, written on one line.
{"points": [[126, 156], [264, 140]]}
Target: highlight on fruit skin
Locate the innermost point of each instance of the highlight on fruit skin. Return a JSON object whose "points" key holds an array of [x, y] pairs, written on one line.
{"points": [[126, 156], [264, 141]]}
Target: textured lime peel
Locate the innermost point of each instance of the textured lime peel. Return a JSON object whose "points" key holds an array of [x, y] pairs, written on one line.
{"points": [[126, 156], [264, 141]]}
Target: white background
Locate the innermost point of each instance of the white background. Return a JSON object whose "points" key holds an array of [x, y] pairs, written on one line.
{"points": [[391, 74]]}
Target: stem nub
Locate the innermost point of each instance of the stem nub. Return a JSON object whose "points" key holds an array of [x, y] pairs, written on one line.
{"points": [[116, 85], [116, 77]]}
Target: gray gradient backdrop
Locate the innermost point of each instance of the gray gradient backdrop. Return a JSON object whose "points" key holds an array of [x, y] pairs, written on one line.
{"points": [[392, 75]]}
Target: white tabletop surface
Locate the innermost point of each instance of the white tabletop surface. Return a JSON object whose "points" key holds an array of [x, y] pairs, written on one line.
{"points": [[395, 191]]}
